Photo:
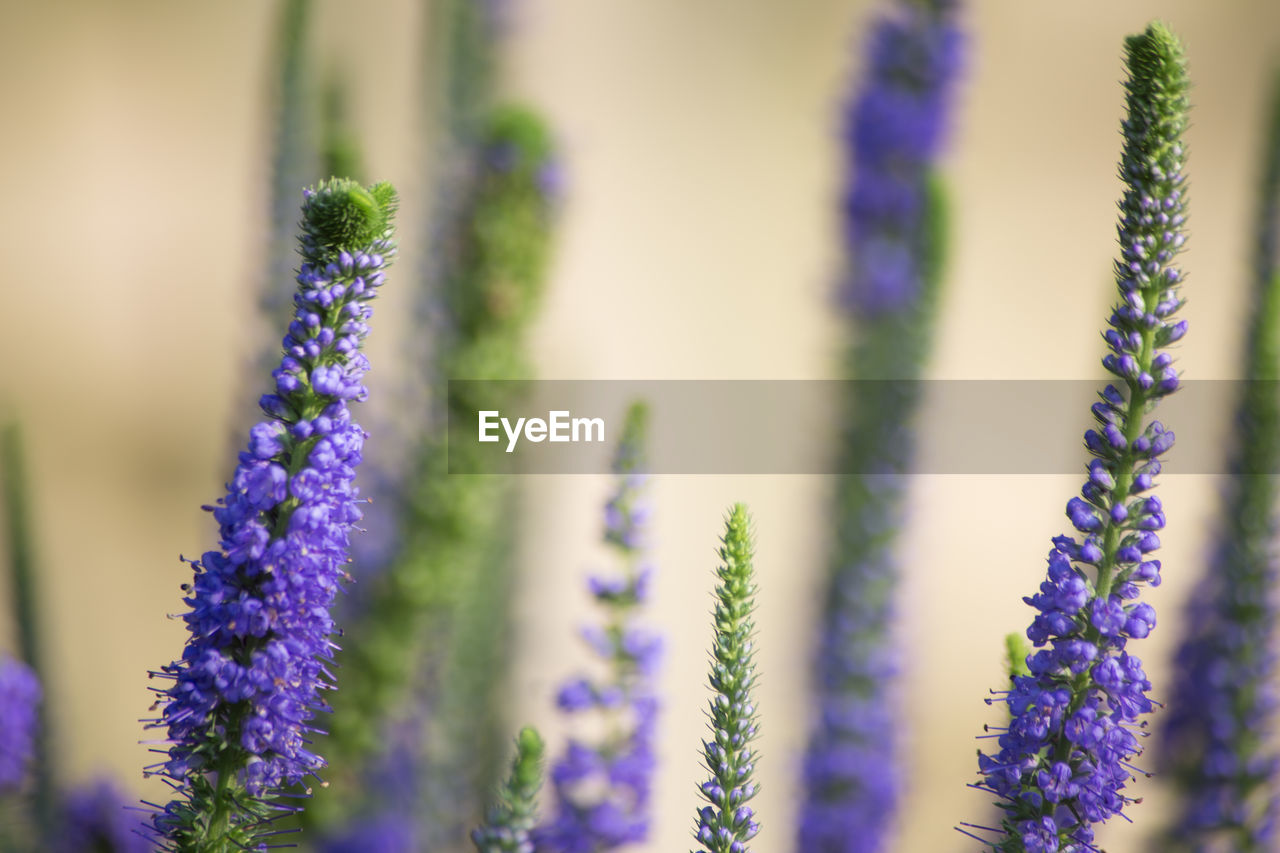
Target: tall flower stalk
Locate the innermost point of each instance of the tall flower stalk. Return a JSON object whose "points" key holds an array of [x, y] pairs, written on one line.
{"points": [[1217, 728], [238, 708], [1066, 757], [603, 784], [428, 628], [727, 823], [294, 157], [893, 228], [419, 734]]}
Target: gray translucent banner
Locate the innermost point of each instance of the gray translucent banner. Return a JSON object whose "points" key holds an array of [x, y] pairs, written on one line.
{"points": [[790, 427]]}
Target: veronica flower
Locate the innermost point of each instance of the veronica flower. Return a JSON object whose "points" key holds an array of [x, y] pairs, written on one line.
{"points": [[237, 712], [19, 709], [510, 817], [892, 218], [895, 128], [1216, 731], [603, 787], [727, 823], [1066, 757]]}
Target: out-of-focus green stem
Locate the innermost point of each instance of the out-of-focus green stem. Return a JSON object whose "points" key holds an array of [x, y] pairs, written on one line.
{"points": [[340, 150], [439, 606], [294, 162]]}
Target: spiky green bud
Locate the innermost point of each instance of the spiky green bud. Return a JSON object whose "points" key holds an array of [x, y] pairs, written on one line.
{"points": [[728, 823], [510, 817], [1157, 92], [339, 212]]}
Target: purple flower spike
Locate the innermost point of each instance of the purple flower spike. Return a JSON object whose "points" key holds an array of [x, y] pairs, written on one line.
{"points": [[895, 129], [19, 698], [602, 787], [239, 705], [1218, 736], [1065, 759]]}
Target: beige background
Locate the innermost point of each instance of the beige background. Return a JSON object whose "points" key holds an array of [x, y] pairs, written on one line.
{"points": [[698, 241]]}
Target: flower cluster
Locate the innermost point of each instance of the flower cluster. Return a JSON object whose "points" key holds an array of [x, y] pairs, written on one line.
{"points": [[1217, 731], [603, 788], [238, 709], [1064, 760], [728, 823], [20, 696], [1221, 707], [895, 129]]}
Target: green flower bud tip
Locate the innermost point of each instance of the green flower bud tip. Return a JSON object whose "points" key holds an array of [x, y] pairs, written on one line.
{"points": [[1157, 63], [526, 770], [340, 213], [1157, 92], [510, 817]]}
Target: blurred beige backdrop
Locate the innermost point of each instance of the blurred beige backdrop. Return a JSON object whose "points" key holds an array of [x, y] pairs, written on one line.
{"points": [[698, 241]]}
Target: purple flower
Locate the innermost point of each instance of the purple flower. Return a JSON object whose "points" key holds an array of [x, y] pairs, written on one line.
{"points": [[19, 697], [238, 709], [1218, 732], [894, 131], [1223, 700], [1066, 757], [383, 834], [895, 128], [602, 787], [101, 816]]}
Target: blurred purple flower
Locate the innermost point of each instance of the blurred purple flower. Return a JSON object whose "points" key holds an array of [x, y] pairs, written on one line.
{"points": [[20, 696], [894, 129], [101, 816], [603, 788], [384, 834]]}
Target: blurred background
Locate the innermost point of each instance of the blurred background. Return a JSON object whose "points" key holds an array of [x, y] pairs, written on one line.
{"points": [[697, 238]]}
